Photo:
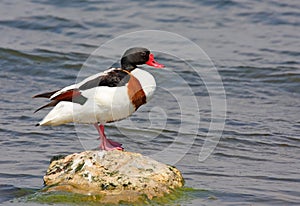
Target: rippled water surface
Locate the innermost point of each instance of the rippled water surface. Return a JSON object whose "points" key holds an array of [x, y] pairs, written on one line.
{"points": [[254, 45]]}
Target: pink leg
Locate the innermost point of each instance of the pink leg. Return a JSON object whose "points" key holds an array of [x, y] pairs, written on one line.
{"points": [[106, 144]]}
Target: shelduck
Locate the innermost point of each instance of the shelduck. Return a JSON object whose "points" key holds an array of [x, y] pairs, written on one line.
{"points": [[104, 97]]}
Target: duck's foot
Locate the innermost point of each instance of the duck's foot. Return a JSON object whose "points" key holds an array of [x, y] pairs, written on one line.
{"points": [[108, 144], [113, 143]]}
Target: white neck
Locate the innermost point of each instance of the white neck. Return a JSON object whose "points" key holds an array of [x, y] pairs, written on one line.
{"points": [[147, 82]]}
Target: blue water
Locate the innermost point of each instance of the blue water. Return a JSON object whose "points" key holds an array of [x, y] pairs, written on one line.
{"points": [[254, 46]]}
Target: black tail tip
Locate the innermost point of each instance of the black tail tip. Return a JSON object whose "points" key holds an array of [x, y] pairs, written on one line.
{"points": [[38, 124]]}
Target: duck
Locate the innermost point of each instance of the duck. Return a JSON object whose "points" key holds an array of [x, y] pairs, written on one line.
{"points": [[105, 97]]}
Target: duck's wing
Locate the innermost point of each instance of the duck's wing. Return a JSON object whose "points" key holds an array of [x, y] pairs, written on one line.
{"points": [[113, 77], [71, 95], [45, 95]]}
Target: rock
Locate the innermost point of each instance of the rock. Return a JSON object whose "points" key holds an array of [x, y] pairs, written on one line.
{"points": [[114, 175]]}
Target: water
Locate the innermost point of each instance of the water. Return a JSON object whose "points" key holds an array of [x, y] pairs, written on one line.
{"points": [[255, 46]]}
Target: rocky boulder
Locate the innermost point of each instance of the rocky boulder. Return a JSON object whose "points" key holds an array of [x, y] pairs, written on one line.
{"points": [[113, 175]]}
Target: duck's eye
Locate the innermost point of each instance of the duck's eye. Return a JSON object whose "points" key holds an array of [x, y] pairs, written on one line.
{"points": [[143, 54]]}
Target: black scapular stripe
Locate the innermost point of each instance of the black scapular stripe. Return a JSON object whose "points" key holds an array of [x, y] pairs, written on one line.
{"points": [[114, 78]]}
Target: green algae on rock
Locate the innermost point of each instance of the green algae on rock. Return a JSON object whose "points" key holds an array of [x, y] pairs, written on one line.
{"points": [[115, 176], [176, 197]]}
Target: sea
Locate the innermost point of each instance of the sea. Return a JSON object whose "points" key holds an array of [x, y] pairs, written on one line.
{"points": [[226, 110]]}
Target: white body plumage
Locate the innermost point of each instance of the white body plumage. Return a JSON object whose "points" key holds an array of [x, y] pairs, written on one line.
{"points": [[103, 104]]}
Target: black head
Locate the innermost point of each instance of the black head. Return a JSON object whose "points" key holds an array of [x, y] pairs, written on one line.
{"points": [[137, 56]]}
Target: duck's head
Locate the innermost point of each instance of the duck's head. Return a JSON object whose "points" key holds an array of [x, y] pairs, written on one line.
{"points": [[137, 56]]}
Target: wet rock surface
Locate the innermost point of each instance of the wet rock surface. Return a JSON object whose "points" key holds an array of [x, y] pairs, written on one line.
{"points": [[114, 175]]}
